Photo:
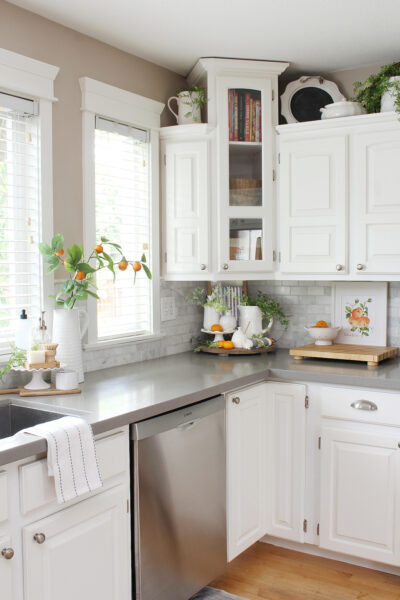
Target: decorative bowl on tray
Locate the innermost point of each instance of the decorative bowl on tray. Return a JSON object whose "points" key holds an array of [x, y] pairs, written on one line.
{"points": [[323, 336]]}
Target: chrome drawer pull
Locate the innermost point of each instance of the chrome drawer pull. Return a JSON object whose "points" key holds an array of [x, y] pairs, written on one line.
{"points": [[364, 405]]}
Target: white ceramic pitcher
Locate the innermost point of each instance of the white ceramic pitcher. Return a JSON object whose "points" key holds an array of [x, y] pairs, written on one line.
{"points": [[250, 320], [68, 333], [188, 111]]}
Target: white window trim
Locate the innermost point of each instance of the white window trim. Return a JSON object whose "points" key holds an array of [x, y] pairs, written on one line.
{"points": [[34, 80], [111, 102]]}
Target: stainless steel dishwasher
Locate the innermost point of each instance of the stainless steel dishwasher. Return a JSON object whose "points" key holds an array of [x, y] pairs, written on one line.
{"points": [[179, 491]]}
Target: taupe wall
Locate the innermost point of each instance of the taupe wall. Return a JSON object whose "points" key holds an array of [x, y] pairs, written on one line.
{"points": [[77, 55]]}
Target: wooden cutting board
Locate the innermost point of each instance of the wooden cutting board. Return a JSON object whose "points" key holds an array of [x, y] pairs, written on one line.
{"points": [[372, 355]]}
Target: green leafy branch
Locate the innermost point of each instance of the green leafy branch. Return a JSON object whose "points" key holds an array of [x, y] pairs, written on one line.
{"points": [[17, 359], [81, 282]]}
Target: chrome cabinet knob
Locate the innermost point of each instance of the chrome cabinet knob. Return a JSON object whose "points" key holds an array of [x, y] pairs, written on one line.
{"points": [[360, 267], [40, 538], [225, 267], [8, 553], [203, 267], [339, 267], [236, 400]]}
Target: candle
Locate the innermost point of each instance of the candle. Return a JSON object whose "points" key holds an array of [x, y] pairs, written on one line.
{"points": [[36, 356]]}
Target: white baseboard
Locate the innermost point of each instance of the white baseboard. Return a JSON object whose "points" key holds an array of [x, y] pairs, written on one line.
{"points": [[316, 551]]}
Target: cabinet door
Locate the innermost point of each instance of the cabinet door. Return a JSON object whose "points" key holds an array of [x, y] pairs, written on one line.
{"points": [[245, 175], [313, 205], [285, 455], [186, 207], [6, 566], [376, 196], [360, 494], [246, 453], [85, 552]]}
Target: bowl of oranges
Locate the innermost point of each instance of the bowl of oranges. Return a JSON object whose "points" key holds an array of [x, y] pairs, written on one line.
{"points": [[322, 333]]}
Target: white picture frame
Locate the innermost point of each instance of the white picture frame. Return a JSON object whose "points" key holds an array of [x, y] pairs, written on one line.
{"points": [[360, 309]]}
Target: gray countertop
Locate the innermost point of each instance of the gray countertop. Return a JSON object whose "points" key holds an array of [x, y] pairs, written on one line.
{"points": [[121, 395]]}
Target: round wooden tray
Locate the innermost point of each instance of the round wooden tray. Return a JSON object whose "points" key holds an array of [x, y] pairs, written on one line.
{"points": [[236, 351]]}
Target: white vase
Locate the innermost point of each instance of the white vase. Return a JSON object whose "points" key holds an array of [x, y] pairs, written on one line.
{"points": [[389, 97], [68, 333], [211, 317], [251, 317], [188, 108], [228, 321]]}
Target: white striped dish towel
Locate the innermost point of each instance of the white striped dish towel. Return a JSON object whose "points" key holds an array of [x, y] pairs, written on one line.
{"points": [[71, 456]]}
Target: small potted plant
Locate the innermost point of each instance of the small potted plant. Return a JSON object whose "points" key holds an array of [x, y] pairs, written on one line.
{"points": [[190, 102], [380, 92], [214, 304], [253, 312]]}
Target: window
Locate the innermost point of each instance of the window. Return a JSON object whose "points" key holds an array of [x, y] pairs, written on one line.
{"points": [[26, 213], [20, 285], [123, 215], [121, 189]]}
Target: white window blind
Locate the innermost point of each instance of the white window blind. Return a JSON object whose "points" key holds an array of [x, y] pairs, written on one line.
{"points": [[123, 215], [20, 270]]}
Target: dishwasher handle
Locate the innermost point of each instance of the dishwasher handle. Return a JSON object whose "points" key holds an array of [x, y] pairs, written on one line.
{"points": [[183, 418]]}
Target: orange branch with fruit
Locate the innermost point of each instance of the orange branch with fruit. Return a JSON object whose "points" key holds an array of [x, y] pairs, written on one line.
{"points": [[81, 283]]}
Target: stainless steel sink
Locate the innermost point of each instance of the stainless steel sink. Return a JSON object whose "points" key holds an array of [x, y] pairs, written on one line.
{"points": [[13, 418]]}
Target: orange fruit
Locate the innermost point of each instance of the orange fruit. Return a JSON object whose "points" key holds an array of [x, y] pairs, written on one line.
{"points": [[136, 266], [216, 327], [80, 275], [356, 313], [98, 248], [228, 345], [221, 343], [321, 324], [60, 252], [123, 265]]}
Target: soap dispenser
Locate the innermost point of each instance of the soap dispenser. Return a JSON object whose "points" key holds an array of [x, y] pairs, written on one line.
{"points": [[23, 331], [40, 334]]}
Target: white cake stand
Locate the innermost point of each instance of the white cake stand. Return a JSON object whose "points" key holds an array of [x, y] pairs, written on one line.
{"points": [[218, 335], [37, 382]]}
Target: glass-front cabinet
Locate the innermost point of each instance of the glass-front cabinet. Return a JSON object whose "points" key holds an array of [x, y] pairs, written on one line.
{"points": [[245, 175], [219, 197]]}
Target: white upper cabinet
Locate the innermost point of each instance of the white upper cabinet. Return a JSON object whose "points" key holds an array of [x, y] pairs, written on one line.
{"points": [[218, 187], [339, 197], [313, 205], [376, 192], [186, 202]]}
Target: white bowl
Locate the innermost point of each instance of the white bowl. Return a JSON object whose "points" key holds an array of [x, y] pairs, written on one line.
{"points": [[323, 336]]}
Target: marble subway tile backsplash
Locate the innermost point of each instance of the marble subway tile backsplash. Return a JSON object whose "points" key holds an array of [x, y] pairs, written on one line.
{"points": [[308, 301]]}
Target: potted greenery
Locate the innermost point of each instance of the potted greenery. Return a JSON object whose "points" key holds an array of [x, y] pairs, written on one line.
{"points": [[190, 102], [379, 89], [214, 304], [253, 312]]}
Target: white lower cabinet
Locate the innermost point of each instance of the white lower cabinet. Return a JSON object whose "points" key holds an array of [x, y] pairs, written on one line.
{"points": [[360, 492], [285, 455], [246, 456], [81, 552], [266, 463], [6, 569]]}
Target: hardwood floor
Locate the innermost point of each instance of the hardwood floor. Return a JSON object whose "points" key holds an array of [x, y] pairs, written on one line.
{"points": [[266, 572]]}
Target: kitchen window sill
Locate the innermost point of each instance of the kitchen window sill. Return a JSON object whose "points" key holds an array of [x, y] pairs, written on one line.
{"points": [[133, 339]]}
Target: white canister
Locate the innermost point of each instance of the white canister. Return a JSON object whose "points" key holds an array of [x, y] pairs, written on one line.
{"points": [[211, 317], [66, 380], [389, 97], [188, 108], [68, 333]]}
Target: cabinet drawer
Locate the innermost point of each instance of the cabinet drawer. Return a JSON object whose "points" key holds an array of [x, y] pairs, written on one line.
{"points": [[364, 406], [3, 496], [37, 488]]}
